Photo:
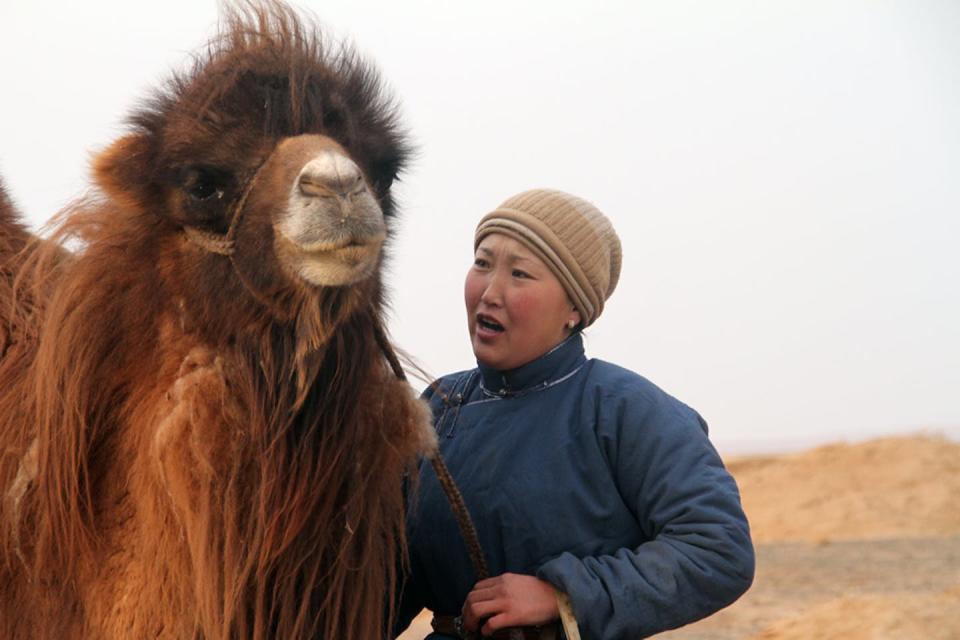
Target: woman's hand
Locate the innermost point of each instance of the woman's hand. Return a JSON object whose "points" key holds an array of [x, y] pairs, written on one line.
{"points": [[509, 600]]}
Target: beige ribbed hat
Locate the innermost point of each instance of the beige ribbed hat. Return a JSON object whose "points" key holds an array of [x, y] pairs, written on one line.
{"points": [[572, 237]]}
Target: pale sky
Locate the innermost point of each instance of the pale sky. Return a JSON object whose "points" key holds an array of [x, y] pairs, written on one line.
{"points": [[784, 177]]}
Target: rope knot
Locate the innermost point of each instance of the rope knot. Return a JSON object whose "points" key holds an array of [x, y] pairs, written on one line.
{"points": [[210, 241]]}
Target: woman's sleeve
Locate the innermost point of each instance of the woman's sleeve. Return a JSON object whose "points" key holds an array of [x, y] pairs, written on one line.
{"points": [[699, 557]]}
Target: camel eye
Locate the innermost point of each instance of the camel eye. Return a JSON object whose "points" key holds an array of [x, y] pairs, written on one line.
{"points": [[204, 183]]}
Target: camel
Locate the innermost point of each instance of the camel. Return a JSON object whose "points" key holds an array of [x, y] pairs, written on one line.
{"points": [[200, 434]]}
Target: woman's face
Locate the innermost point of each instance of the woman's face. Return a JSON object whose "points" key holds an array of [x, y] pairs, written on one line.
{"points": [[517, 309]]}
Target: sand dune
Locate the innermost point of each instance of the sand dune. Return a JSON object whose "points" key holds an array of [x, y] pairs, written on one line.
{"points": [[891, 487], [854, 542]]}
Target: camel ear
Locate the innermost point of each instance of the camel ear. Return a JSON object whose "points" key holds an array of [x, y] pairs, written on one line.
{"points": [[124, 170]]}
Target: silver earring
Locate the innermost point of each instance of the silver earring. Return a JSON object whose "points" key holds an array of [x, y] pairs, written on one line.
{"points": [[571, 324]]}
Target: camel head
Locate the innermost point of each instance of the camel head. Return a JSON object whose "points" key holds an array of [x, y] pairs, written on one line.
{"points": [[271, 159]]}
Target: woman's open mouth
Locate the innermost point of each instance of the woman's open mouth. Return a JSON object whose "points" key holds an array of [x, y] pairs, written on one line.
{"points": [[489, 324]]}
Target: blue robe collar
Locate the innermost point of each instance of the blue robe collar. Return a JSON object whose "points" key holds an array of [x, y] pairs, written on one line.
{"points": [[539, 373]]}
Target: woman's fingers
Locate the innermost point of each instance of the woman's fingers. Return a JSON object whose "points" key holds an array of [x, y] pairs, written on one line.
{"points": [[474, 612], [480, 594], [496, 623], [480, 603], [509, 600], [488, 583]]}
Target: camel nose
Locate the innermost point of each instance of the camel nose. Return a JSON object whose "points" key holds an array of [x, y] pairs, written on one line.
{"points": [[330, 174]]}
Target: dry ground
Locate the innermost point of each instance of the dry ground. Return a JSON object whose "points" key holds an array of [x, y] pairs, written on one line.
{"points": [[896, 589]]}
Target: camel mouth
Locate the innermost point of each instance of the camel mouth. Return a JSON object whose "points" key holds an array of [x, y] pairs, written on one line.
{"points": [[332, 263], [345, 246], [347, 253], [350, 254]]}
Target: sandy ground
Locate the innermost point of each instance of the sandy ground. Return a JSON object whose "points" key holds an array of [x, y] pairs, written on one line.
{"points": [[854, 541]]}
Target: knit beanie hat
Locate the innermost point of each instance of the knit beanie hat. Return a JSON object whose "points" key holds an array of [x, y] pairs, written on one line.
{"points": [[572, 237]]}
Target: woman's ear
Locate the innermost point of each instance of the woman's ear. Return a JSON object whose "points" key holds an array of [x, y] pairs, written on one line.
{"points": [[574, 319], [124, 170]]}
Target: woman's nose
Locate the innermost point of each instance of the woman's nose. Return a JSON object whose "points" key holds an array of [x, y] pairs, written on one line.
{"points": [[492, 292]]}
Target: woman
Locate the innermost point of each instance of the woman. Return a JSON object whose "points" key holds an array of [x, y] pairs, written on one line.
{"points": [[582, 477]]}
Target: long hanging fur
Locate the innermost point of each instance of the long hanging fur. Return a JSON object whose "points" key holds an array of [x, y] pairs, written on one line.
{"points": [[176, 458]]}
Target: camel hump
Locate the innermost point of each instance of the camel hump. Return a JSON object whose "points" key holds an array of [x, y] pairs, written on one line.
{"points": [[13, 234], [14, 237], [7, 212]]}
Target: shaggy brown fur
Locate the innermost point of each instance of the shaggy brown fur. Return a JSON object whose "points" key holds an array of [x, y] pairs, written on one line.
{"points": [[14, 238], [197, 446]]}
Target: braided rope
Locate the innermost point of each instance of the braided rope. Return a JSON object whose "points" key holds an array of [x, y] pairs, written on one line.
{"points": [[464, 521]]}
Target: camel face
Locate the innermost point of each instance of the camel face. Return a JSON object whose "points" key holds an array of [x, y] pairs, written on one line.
{"points": [[276, 152], [331, 229]]}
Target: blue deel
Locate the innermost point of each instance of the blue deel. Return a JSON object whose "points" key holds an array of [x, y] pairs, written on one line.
{"points": [[590, 477]]}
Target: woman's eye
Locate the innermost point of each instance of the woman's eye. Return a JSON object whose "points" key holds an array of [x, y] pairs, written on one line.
{"points": [[520, 274], [480, 262]]}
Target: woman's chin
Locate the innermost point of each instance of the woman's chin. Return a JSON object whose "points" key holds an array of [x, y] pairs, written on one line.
{"points": [[487, 353]]}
